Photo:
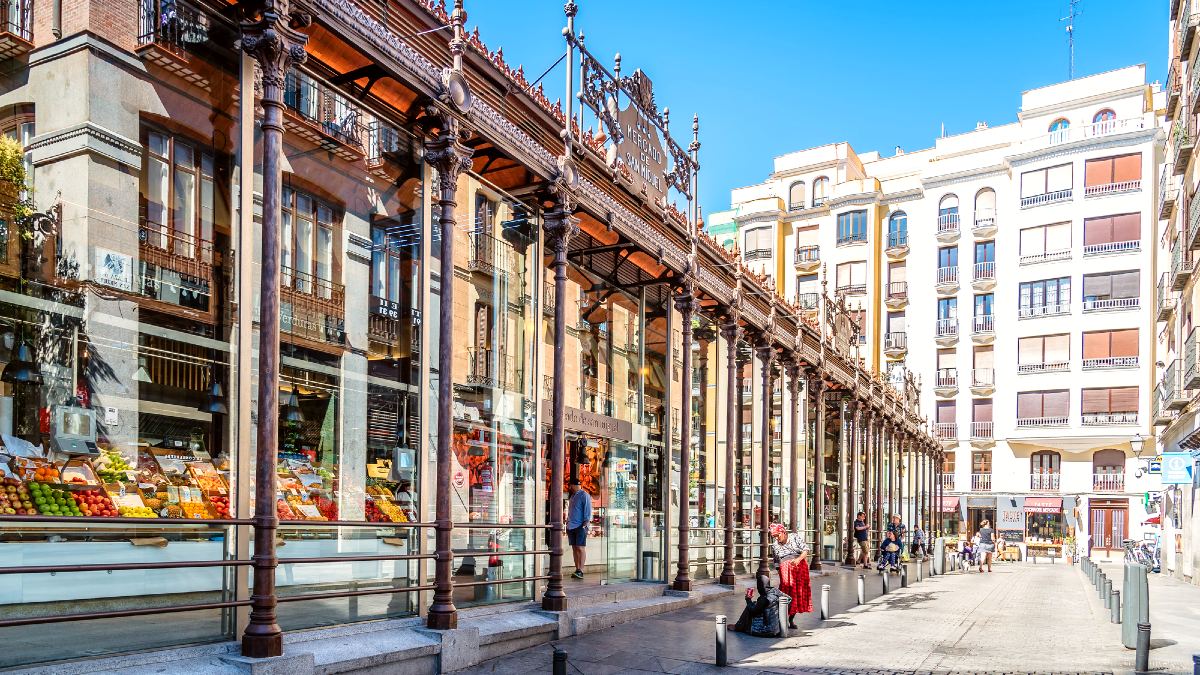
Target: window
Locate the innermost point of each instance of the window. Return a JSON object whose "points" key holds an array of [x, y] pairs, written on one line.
{"points": [[981, 462], [21, 129], [1045, 242], [1110, 405], [1043, 408], [947, 412], [948, 214], [947, 359], [1112, 234], [820, 188], [1044, 298], [485, 213], [179, 196], [948, 256], [808, 289], [1110, 348], [985, 252], [1060, 124], [981, 413], [1106, 115], [851, 227], [948, 308], [895, 323], [307, 256], [758, 244], [796, 196], [983, 304], [1043, 353], [1044, 186], [985, 208], [395, 258], [1108, 462], [1111, 290], [1045, 462], [1112, 174], [852, 277], [898, 230], [897, 280]]}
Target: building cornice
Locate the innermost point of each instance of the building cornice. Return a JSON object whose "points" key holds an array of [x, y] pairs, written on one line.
{"points": [[966, 174], [1120, 140], [86, 138], [1102, 98]]}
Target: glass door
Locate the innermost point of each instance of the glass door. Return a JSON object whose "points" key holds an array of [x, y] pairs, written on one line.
{"points": [[622, 512]]}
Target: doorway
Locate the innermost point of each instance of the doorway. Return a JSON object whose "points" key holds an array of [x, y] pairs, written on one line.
{"points": [[1109, 526]]}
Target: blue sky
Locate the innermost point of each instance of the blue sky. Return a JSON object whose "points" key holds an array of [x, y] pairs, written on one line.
{"points": [[771, 77]]}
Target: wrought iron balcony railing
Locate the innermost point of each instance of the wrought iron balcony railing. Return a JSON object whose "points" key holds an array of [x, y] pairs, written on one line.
{"points": [[1045, 481], [981, 482], [173, 25], [1108, 482]]}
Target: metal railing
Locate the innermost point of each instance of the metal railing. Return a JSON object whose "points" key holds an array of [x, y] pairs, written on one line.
{"points": [[1048, 256], [1193, 220], [315, 307], [808, 254], [322, 107], [1181, 267], [490, 368], [1110, 362], [852, 237], [897, 239], [983, 324], [758, 254], [16, 18], [1112, 188], [1112, 247], [948, 482], [852, 289], [808, 300], [548, 297], [1166, 302], [896, 341], [1109, 304], [490, 255], [983, 377], [1048, 367], [985, 271], [1035, 311], [981, 482], [1191, 367], [946, 378], [946, 328], [897, 290], [1108, 482], [1026, 422], [947, 276], [1045, 481], [1172, 392], [1167, 192], [1104, 419], [982, 431], [174, 25], [947, 224], [1086, 131], [985, 219], [1046, 198], [947, 431]]}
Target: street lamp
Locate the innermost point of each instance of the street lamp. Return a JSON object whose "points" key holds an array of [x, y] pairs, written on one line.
{"points": [[1136, 444]]}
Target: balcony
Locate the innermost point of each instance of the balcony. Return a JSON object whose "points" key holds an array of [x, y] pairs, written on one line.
{"points": [[390, 324], [946, 332], [1174, 87], [947, 227], [387, 150], [981, 482], [947, 280], [1104, 419], [1038, 311], [852, 289], [313, 310], [548, 298], [945, 382], [895, 344], [1047, 198], [985, 224], [983, 381], [1050, 367], [490, 255], [1183, 136], [178, 268], [1110, 304], [16, 28], [947, 432], [1112, 188], [948, 482], [1048, 256], [1166, 301], [1085, 132], [897, 244], [982, 432], [1173, 395], [488, 368], [1167, 192], [1045, 481], [1186, 29], [808, 258], [897, 295], [758, 254], [1181, 268], [1111, 248], [983, 328], [1193, 223], [984, 277], [1191, 369], [322, 116], [1110, 362], [1108, 482], [1161, 415], [1035, 422], [809, 302]]}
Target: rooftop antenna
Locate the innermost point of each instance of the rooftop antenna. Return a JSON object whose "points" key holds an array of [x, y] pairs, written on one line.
{"points": [[1070, 19]]}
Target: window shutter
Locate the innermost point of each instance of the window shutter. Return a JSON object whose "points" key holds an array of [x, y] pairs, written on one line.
{"points": [[897, 272], [984, 357], [1058, 178], [1098, 231], [1127, 168], [1097, 172], [1125, 342], [1029, 404], [896, 322], [858, 273], [1033, 241], [1058, 237], [1125, 284], [1127, 227], [982, 410], [1095, 401], [1123, 399], [946, 412], [1029, 351], [1097, 285], [843, 274], [1058, 348], [1033, 183], [1056, 403], [1096, 345]]}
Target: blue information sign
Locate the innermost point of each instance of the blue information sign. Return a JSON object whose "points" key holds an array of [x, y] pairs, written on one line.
{"points": [[1177, 468]]}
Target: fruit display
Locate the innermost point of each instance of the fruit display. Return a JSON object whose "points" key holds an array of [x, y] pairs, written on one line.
{"points": [[46, 474], [112, 467], [52, 501], [15, 499], [195, 510], [220, 506], [136, 512], [96, 503], [283, 511], [374, 515]]}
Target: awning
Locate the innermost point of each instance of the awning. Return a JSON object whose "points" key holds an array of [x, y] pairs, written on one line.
{"points": [[1153, 520], [949, 504], [1043, 505]]}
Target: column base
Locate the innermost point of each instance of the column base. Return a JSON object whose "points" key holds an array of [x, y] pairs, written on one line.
{"points": [[262, 646], [816, 564], [682, 585], [442, 620], [727, 579], [554, 603]]}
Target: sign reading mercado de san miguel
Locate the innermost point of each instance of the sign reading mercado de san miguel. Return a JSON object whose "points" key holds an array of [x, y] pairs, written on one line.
{"points": [[641, 147]]}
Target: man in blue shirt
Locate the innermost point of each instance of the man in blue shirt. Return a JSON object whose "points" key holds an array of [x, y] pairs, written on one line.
{"points": [[579, 517]]}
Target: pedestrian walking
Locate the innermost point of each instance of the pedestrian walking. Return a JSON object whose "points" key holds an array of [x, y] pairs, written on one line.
{"points": [[579, 518], [987, 544], [861, 534], [791, 557]]}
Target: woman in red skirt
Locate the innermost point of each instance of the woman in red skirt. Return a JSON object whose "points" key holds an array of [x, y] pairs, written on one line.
{"points": [[791, 557]]}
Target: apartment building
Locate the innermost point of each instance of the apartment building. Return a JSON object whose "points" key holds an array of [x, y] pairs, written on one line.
{"points": [[1006, 268], [1174, 408]]}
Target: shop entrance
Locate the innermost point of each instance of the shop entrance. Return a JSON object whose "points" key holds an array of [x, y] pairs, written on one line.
{"points": [[609, 471], [1109, 526]]}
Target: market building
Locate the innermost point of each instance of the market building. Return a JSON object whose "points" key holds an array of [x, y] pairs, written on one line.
{"points": [[1009, 268], [342, 258]]}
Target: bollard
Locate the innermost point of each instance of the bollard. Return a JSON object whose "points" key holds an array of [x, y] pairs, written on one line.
{"points": [[1114, 607], [1106, 594], [903, 576], [920, 565], [887, 581], [785, 604], [1100, 585], [560, 662], [824, 602], [1141, 661], [1196, 664], [722, 636]]}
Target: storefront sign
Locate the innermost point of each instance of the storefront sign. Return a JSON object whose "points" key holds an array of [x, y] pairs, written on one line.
{"points": [[591, 423], [642, 150], [1177, 468], [1009, 514], [385, 308], [1156, 465], [113, 269], [1043, 504]]}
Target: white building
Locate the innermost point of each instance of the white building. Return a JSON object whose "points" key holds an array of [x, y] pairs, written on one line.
{"points": [[1005, 267]]}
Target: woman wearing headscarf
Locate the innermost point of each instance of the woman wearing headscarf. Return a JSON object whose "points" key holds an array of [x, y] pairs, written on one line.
{"points": [[791, 557]]}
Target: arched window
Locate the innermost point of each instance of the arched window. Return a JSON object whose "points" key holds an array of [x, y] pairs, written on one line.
{"points": [[898, 230], [948, 214], [820, 191], [1106, 115], [796, 196], [1060, 124], [1044, 469], [985, 208], [1108, 470]]}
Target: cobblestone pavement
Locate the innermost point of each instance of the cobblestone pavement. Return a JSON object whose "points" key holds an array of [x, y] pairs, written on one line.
{"points": [[1022, 618]]}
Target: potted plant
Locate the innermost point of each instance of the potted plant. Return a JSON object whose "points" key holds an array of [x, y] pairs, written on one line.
{"points": [[1069, 549]]}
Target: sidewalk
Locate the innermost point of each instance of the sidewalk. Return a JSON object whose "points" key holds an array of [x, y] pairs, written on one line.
{"points": [[1174, 619]]}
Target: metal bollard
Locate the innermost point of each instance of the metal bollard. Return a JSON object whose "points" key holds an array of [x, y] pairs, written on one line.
{"points": [[1196, 664], [560, 662], [824, 602], [785, 604], [920, 565], [1106, 594], [722, 636], [903, 576], [1100, 585], [1141, 661], [887, 581], [862, 588], [1114, 607]]}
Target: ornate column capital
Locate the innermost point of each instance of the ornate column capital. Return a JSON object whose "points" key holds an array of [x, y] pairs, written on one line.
{"points": [[446, 151], [685, 299], [270, 34], [730, 330], [766, 353], [559, 226]]}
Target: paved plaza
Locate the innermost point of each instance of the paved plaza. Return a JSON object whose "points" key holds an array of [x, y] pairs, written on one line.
{"points": [[1020, 618]]}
